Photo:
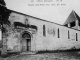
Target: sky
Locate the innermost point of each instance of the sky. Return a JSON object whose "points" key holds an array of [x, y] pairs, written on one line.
{"points": [[54, 13]]}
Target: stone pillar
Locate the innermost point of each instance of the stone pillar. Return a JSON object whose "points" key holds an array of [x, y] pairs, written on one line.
{"points": [[69, 25], [77, 24]]}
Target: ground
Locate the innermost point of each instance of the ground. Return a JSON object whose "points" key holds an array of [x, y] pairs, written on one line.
{"points": [[45, 56]]}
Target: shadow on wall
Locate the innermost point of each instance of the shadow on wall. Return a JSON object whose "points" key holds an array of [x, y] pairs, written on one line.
{"points": [[57, 51], [23, 25]]}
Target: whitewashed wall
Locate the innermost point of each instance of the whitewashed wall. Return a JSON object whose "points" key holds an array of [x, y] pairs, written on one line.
{"points": [[51, 40]]}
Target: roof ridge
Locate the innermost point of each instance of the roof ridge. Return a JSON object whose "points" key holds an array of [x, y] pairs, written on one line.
{"points": [[75, 14], [72, 17]]}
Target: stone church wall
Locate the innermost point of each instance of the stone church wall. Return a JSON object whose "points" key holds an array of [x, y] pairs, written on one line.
{"points": [[54, 36]]}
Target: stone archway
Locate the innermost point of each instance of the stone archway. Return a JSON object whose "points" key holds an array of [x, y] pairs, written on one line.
{"points": [[26, 41]]}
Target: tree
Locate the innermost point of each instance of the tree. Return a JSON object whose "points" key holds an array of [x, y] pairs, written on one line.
{"points": [[2, 2], [4, 13]]}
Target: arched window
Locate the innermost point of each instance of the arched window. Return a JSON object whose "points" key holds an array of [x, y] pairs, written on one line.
{"points": [[44, 30], [68, 35], [76, 37], [58, 33], [26, 35]]}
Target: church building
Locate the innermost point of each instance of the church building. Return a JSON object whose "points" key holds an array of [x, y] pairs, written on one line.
{"points": [[23, 33]]}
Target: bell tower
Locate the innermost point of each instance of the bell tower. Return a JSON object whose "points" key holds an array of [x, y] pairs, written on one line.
{"points": [[73, 21]]}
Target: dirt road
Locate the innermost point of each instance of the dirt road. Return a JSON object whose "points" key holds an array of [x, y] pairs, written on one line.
{"points": [[46, 56]]}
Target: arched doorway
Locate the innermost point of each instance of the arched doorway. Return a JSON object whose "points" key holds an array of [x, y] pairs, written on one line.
{"points": [[26, 41]]}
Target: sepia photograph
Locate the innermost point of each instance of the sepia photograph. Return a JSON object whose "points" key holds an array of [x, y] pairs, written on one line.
{"points": [[39, 29]]}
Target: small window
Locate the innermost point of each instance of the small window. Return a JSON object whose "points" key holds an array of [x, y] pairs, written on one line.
{"points": [[79, 23], [72, 24], [58, 33], [0, 35], [0, 26], [44, 30], [76, 37], [68, 35]]}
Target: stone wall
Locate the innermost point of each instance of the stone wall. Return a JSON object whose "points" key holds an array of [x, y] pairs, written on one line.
{"points": [[57, 37]]}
